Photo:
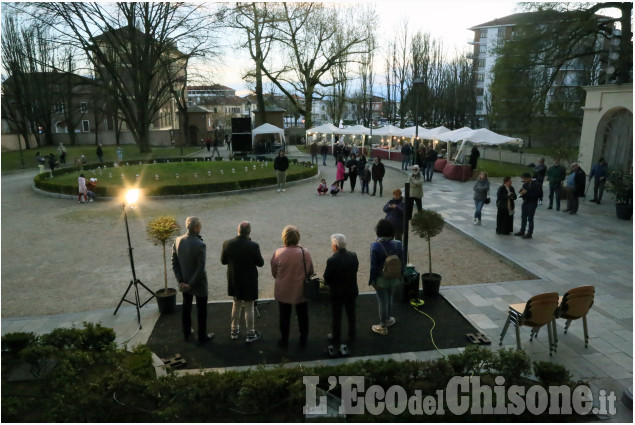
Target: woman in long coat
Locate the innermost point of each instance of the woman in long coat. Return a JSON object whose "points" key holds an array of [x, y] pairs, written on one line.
{"points": [[341, 170], [505, 198]]}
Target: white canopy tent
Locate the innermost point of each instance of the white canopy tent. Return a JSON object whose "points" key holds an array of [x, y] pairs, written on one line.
{"points": [[438, 130], [485, 137], [327, 128], [390, 131], [354, 130], [451, 136], [267, 129]]}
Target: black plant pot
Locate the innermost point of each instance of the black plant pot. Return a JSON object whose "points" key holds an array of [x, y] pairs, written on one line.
{"points": [[624, 211], [166, 300], [431, 283]]}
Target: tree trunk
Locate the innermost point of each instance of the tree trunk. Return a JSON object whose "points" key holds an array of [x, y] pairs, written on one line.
{"points": [[165, 269]]}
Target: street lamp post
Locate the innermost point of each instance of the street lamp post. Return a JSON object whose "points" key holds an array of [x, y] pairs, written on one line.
{"points": [[131, 198], [416, 83]]}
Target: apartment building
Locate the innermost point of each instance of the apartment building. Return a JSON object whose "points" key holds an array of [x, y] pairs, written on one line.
{"points": [[488, 36]]}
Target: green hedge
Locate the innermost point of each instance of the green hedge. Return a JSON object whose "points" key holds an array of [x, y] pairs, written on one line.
{"points": [[92, 381], [298, 171]]}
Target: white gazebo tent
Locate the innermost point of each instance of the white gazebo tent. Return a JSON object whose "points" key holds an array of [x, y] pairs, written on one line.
{"points": [[267, 129], [485, 137], [354, 130], [327, 128], [390, 131], [452, 136]]}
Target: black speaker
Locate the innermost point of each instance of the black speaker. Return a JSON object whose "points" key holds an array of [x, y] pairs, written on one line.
{"points": [[241, 142], [241, 125]]}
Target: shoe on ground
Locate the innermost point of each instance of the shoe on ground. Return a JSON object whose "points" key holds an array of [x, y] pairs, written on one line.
{"points": [[539, 201], [207, 338], [598, 202], [284, 190], [381, 330], [478, 222], [566, 211], [344, 350], [278, 190], [519, 234], [234, 334], [253, 338], [91, 200], [391, 322], [527, 236], [593, 200], [372, 194], [549, 207], [572, 212], [188, 337], [474, 220]]}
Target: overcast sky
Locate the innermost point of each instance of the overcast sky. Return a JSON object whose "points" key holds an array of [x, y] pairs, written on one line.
{"points": [[446, 19]]}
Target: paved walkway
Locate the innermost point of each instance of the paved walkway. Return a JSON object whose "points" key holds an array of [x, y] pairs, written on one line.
{"points": [[590, 248]]}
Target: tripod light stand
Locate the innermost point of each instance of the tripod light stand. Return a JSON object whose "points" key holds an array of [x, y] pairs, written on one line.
{"points": [[131, 197]]}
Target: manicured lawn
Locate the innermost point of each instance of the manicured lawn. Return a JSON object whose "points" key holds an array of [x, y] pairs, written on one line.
{"points": [[497, 169], [174, 177], [11, 160]]}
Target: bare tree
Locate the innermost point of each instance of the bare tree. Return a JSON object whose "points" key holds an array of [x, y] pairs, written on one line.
{"points": [[132, 46], [307, 34], [255, 21]]}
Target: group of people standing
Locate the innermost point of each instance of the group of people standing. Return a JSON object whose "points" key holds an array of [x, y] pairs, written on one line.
{"points": [[289, 264], [532, 194]]}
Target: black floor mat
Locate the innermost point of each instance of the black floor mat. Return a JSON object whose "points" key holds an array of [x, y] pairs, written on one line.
{"points": [[410, 333]]}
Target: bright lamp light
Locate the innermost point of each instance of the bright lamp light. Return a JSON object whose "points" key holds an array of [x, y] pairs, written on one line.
{"points": [[132, 196]]}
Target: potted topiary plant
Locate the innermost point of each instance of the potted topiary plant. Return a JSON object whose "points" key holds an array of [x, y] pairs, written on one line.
{"points": [[159, 232], [620, 184], [427, 224]]}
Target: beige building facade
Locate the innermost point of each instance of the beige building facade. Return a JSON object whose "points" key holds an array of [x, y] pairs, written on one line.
{"points": [[607, 127]]}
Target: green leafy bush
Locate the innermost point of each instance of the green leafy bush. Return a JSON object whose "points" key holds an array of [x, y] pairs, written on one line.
{"points": [[551, 373], [513, 364], [17, 341]]}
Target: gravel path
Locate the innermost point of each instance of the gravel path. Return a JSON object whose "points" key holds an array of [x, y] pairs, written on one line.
{"points": [[61, 257]]}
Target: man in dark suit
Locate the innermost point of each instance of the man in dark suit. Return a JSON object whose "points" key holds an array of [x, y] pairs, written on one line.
{"points": [[242, 257], [341, 277], [188, 263]]}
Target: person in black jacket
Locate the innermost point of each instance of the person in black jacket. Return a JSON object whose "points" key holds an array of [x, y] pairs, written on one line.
{"points": [[341, 277], [242, 257], [281, 164], [530, 193], [431, 158], [505, 198], [352, 164], [576, 182], [377, 172]]}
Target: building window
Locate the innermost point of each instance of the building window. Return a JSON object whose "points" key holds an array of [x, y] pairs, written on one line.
{"points": [[481, 63], [83, 107], [85, 126], [483, 34], [480, 91], [215, 110], [209, 123], [482, 49], [480, 77], [479, 106], [58, 108], [501, 32]]}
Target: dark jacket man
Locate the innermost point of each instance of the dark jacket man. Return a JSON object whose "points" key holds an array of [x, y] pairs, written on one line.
{"points": [[188, 264], [242, 257], [281, 163], [341, 277]]}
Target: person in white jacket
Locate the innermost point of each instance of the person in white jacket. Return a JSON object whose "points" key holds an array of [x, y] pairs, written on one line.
{"points": [[81, 180]]}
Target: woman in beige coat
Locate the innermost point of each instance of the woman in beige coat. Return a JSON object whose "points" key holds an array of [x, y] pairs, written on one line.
{"points": [[416, 190], [288, 268]]}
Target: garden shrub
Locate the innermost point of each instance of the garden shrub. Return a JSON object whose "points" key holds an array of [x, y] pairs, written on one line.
{"points": [[472, 360], [17, 341], [513, 364], [551, 373]]}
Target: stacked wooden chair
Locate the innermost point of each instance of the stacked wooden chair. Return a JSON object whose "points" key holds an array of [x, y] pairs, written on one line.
{"points": [[574, 305], [539, 311], [544, 309]]}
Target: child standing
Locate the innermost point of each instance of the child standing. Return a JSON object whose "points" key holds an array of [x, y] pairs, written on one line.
{"points": [[322, 188], [365, 177], [82, 189]]}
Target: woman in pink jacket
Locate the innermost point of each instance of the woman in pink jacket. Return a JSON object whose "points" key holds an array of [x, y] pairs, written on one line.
{"points": [[288, 268], [341, 170]]}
